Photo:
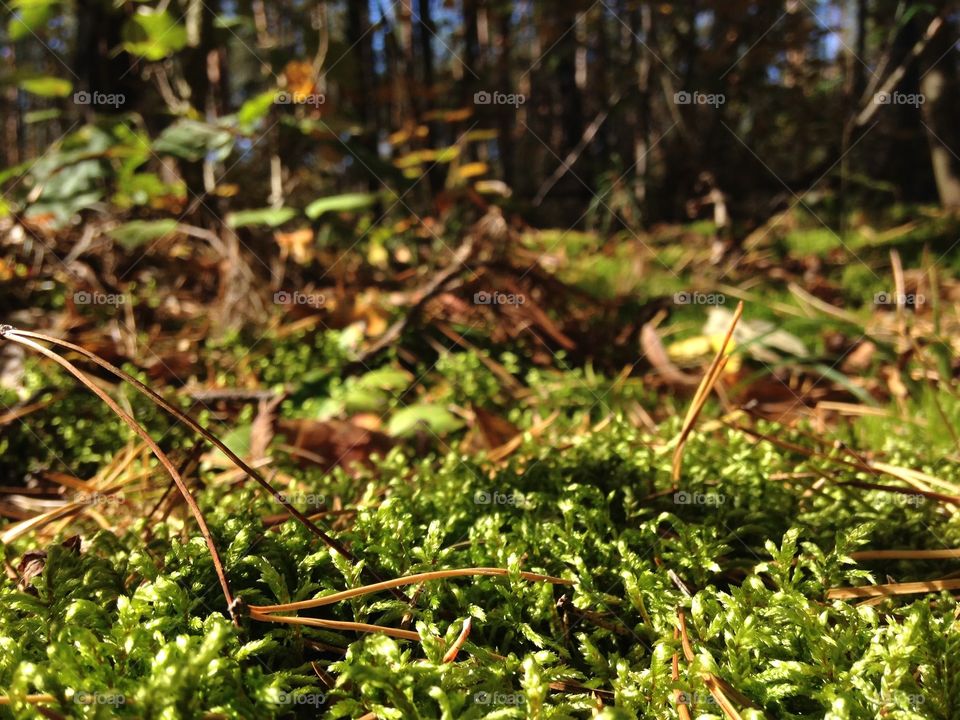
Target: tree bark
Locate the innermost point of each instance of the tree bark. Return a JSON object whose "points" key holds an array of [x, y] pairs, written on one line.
{"points": [[939, 87]]}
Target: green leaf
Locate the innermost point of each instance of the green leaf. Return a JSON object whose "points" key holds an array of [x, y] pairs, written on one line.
{"points": [[46, 86], [137, 232], [31, 17], [153, 35], [40, 116], [386, 378], [255, 109], [349, 202], [193, 140], [436, 418], [271, 217]]}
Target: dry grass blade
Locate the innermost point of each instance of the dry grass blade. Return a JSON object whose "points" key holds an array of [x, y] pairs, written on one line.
{"points": [[891, 589], [684, 638], [454, 650], [678, 697], [336, 625], [35, 523], [718, 688], [8, 332], [405, 580], [950, 554], [22, 335], [720, 696], [703, 392], [917, 479], [260, 612], [37, 699]]}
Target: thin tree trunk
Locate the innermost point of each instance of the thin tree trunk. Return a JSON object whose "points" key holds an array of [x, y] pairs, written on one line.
{"points": [[506, 117], [939, 86]]}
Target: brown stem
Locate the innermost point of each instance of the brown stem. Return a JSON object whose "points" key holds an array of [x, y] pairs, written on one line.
{"points": [[406, 580], [13, 333], [161, 456]]}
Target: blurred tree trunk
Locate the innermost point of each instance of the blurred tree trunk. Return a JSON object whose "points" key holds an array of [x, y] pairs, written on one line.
{"points": [[506, 121], [471, 49], [556, 78], [198, 68], [11, 118], [412, 100], [469, 80], [427, 30], [428, 95], [859, 82], [363, 78], [200, 17], [359, 39], [939, 86], [641, 126], [570, 98], [97, 64]]}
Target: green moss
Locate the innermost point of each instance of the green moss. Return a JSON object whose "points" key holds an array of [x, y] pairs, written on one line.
{"points": [[148, 625]]}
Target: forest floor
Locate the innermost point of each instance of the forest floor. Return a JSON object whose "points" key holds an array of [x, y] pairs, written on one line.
{"points": [[660, 507]]}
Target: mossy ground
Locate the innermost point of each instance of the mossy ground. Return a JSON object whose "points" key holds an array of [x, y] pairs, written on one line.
{"points": [[747, 550]]}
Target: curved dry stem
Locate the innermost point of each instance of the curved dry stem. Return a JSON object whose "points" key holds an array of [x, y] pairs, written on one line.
{"points": [[703, 392], [336, 625], [160, 455], [157, 399], [401, 581]]}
